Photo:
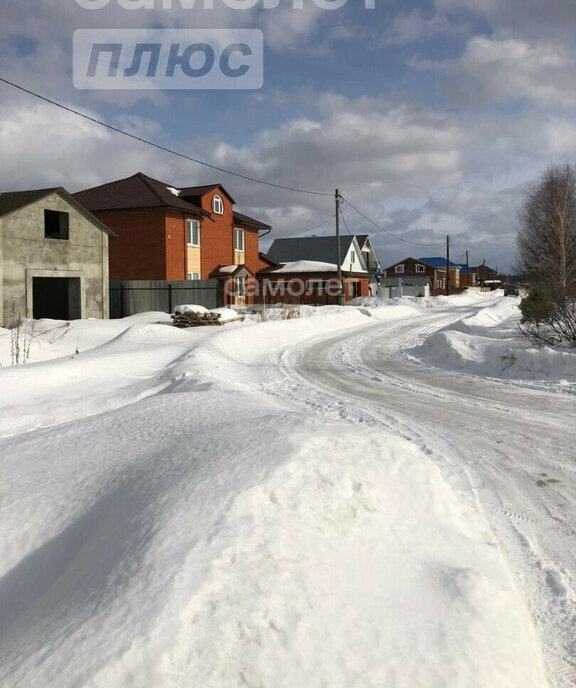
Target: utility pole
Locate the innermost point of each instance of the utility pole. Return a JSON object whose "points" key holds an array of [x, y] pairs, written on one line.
{"points": [[447, 265], [338, 256], [467, 262]]}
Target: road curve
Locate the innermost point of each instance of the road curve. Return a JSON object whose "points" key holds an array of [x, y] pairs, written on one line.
{"points": [[511, 449]]}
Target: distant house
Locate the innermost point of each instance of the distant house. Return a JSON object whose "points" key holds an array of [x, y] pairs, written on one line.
{"points": [[315, 258], [412, 272], [169, 233], [487, 276], [429, 271], [439, 263], [467, 276], [53, 259]]}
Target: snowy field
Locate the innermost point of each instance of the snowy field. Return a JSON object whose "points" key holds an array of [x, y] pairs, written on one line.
{"points": [[275, 505]]}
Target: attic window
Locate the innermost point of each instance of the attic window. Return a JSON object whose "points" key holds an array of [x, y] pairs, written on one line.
{"points": [[56, 224], [217, 205], [399, 268], [420, 268]]}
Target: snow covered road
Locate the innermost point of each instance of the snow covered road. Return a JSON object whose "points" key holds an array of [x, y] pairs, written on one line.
{"points": [[511, 448], [283, 504]]}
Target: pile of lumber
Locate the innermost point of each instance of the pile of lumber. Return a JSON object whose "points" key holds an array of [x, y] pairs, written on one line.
{"points": [[192, 319]]}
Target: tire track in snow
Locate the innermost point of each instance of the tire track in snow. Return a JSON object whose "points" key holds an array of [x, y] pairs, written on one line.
{"points": [[362, 378]]}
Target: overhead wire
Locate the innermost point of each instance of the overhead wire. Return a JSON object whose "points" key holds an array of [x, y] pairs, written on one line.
{"points": [[203, 163], [158, 146], [322, 223], [344, 221], [386, 231]]}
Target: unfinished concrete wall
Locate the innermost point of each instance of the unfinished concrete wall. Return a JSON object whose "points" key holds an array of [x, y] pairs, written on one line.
{"points": [[26, 253]]}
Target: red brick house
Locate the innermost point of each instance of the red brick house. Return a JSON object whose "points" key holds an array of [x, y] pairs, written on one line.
{"points": [[169, 233], [309, 282], [306, 269]]}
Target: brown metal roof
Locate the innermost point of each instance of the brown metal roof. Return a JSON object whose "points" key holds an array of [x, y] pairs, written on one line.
{"points": [[14, 200], [248, 221], [196, 191], [137, 191]]}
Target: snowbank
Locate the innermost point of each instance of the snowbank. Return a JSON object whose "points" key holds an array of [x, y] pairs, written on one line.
{"points": [[165, 522], [164, 547], [489, 344], [226, 314]]}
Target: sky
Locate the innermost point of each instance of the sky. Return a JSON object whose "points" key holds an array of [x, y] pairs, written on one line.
{"points": [[431, 117]]}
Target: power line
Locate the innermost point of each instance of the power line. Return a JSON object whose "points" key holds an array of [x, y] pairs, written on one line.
{"points": [[158, 146], [321, 224], [345, 223], [382, 229]]}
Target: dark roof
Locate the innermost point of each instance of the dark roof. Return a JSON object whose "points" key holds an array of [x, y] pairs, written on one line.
{"points": [[137, 191], [266, 258], [322, 249], [13, 200], [228, 271], [242, 219], [197, 191], [466, 271], [437, 262], [361, 239]]}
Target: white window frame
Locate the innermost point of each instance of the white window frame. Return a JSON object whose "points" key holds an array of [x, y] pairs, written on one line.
{"points": [[193, 276], [399, 269], [218, 205], [239, 245], [352, 256], [420, 268], [190, 225], [240, 283]]}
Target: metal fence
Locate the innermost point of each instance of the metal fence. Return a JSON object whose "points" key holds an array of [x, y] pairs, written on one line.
{"points": [[138, 296]]}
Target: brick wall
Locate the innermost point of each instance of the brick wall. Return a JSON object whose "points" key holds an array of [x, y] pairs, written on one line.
{"points": [[139, 252], [217, 238], [175, 245]]}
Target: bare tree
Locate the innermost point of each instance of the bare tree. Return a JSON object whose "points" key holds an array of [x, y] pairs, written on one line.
{"points": [[547, 251], [547, 233]]}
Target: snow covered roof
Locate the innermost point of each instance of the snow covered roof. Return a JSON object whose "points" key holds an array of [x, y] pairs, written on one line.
{"points": [[230, 271], [305, 266]]}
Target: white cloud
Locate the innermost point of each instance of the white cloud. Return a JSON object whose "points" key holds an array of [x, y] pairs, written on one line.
{"points": [[559, 136], [413, 26], [510, 69], [394, 151], [286, 28], [45, 147], [530, 19]]}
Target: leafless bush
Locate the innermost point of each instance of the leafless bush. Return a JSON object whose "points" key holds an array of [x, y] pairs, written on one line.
{"points": [[280, 312], [23, 331], [554, 326]]}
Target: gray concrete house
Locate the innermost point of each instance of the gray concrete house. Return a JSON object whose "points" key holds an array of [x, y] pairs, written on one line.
{"points": [[53, 257]]}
